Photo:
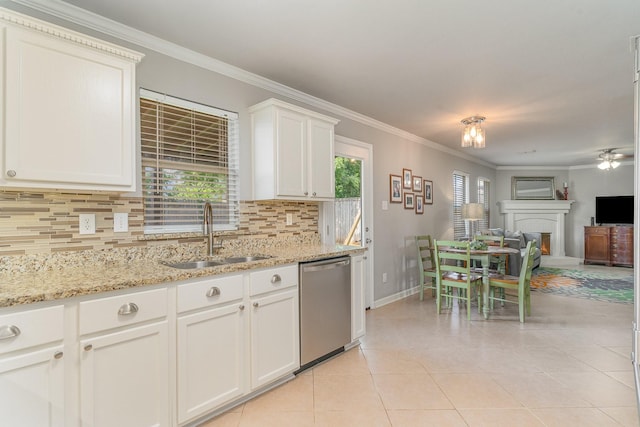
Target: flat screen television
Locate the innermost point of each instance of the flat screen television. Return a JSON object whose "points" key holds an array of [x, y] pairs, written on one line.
{"points": [[614, 210]]}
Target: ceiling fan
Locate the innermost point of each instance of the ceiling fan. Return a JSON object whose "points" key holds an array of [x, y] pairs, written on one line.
{"points": [[610, 160]]}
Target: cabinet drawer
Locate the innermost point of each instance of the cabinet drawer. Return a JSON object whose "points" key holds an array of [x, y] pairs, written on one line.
{"points": [[205, 293], [121, 310], [30, 328], [273, 279], [596, 230]]}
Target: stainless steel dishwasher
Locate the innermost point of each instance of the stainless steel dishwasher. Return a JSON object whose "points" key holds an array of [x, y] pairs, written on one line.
{"points": [[325, 309]]}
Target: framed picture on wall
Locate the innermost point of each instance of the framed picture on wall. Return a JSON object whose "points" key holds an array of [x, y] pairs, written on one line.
{"points": [[395, 189], [428, 192], [419, 205], [417, 184], [407, 180], [409, 199]]}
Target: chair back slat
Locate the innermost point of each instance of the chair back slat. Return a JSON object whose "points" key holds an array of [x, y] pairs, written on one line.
{"points": [[491, 240]]}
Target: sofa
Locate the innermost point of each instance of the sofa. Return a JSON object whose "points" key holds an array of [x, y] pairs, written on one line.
{"points": [[518, 240]]}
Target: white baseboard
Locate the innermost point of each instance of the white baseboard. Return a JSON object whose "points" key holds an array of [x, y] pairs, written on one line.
{"points": [[395, 297], [559, 261]]}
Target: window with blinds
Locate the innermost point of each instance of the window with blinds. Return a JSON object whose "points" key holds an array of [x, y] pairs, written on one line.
{"points": [[189, 157], [484, 193], [460, 197]]}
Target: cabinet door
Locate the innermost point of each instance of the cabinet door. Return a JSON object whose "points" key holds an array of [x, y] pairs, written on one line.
{"points": [[275, 337], [321, 161], [291, 154], [32, 388], [71, 126], [358, 325], [596, 245], [211, 359], [124, 378]]}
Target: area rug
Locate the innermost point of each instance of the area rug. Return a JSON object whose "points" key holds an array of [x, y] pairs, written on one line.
{"points": [[615, 286]]}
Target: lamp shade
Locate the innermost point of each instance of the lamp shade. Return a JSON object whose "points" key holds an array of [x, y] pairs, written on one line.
{"points": [[472, 211]]}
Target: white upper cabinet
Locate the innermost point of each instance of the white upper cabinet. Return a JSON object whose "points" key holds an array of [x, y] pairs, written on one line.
{"points": [[292, 152], [69, 109]]}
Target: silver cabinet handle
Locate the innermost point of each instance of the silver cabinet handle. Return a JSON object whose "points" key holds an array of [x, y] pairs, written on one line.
{"points": [[58, 355], [241, 307], [255, 304], [314, 194], [88, 347], [213, 291], [9, 331], [11, 173], [276, 278], [306, 193], [128, 308]]}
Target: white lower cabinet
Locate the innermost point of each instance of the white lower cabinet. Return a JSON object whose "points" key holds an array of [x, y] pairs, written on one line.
{"points": [[32, 374], [32, 388], [113, 360], [124, 370], [211, 354], [275, 336], [358, 321], [124, 378]]}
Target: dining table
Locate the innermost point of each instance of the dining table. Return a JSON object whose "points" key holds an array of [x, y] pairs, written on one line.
{"points": [[484, 256]]}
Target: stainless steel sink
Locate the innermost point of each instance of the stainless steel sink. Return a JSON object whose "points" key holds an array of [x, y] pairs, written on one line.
{"points": [[190, 265], [236, 259]]}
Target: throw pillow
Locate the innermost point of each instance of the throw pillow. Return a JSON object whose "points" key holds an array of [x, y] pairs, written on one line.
{"points": [[496, 231], [515, 235]]}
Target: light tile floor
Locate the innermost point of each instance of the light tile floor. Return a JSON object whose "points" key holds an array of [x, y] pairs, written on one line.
{"points": [[568, 365]]}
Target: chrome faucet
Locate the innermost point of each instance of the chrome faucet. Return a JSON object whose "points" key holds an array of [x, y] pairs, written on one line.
{"points": [[207, 228]]}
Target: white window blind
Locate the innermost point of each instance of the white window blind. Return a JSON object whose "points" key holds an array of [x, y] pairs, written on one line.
{"points": [[484, 195], [189, 157], [460, 197]]}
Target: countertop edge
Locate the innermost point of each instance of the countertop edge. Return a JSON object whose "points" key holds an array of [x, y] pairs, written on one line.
{"points": [[30, 288]]}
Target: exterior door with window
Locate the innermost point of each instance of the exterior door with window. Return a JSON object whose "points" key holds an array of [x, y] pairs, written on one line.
{"points": [[353, 207]]}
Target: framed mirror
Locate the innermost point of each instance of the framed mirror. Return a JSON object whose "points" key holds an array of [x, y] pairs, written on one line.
{"points": [[533, 188]]}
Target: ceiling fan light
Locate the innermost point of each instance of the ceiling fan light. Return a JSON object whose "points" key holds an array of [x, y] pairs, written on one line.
{"points": [[614, 164]]}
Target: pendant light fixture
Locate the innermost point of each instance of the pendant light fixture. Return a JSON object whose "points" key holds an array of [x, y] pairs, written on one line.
{"points": [[473, 135]]}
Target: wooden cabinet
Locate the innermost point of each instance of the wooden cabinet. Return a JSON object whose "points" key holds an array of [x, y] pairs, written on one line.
{"points": [[124, 360], [32, 374], [621, 240], [293, 152], [609, 245], [275, 324], [211, 355], [358, 321], [71, 127]]}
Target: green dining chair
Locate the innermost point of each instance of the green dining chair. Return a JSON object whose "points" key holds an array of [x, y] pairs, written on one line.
{"points": [[453, 270], [426, 265], [521, 284]]}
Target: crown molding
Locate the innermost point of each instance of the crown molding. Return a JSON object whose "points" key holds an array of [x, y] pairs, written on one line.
{"points": [[123, 32], [19, 19]]}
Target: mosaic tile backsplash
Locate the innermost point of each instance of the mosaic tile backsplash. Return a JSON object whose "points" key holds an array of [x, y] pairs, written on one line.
{"points": [[40, 223]]}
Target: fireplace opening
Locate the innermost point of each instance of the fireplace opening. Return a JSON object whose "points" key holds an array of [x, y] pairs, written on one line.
{"points": [[545, 245]]}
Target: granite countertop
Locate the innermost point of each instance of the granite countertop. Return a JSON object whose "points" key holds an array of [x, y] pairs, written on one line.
{"points": [[18, 288]]}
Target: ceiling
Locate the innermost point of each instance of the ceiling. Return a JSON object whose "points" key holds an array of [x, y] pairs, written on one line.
{"points": [[554, 79]]}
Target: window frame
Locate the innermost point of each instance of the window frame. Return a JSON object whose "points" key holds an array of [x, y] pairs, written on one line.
{"points": [[484, 197], [460, 226], [226, 216]]}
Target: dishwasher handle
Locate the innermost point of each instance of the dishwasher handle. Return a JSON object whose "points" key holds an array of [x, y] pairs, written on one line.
{"points": [[328, 265]]}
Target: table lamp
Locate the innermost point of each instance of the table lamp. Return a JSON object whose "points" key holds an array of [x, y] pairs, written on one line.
{"points": [[472, 212]]}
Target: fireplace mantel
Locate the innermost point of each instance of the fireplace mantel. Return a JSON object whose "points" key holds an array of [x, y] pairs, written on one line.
{"points": [[546, 216]]}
